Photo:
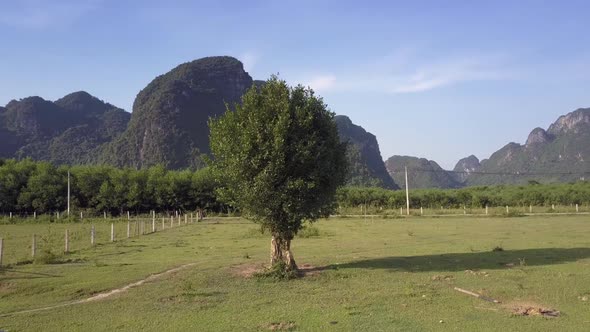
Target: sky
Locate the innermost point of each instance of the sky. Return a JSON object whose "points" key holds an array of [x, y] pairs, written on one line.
{"points": [[435, 79]]}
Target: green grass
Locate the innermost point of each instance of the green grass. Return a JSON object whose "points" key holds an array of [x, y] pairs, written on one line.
{"points": [[384, 274]]}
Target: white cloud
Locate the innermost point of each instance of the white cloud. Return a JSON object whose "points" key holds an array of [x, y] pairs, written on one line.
{"points": [[40, 14], [322, 82], [405, 72]]}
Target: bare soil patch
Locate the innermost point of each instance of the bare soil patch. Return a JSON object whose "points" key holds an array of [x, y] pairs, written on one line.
{"points": [[531, 309]]}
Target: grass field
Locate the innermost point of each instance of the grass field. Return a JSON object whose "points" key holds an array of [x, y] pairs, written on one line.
{"points": [[370, 275]]}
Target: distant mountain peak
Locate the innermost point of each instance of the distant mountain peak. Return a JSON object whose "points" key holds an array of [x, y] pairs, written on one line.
{"points": [[538, 136], [571, 122], [422, 173]]}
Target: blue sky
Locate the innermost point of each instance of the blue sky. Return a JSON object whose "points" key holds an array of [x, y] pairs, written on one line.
{"points": [[434, 79]]}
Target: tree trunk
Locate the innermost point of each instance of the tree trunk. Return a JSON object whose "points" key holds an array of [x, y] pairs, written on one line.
{"points": [[280, 251]]}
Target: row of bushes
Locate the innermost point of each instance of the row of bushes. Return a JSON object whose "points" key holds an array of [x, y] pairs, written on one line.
{"points": [[27, 186]]}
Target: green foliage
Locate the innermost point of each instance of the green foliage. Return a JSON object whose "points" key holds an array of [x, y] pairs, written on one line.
{"points": [[27, 186], [473, 197], [279, 157]]}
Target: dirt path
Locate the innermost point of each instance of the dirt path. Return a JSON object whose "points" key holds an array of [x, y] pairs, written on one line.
{"points": [[104, 295]]}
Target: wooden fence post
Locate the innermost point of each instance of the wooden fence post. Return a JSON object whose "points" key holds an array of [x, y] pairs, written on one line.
{"points": [[128, 216], [486, 209], [421, 211], [34, 246], [67, 247], [507, 211], [553, 207], [112, 232], [531, 208], [92, 235], [128, 228], [577, 208]]}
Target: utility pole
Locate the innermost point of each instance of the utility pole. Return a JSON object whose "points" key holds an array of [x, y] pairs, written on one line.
{"points": [[68, 193], [407, 194]]}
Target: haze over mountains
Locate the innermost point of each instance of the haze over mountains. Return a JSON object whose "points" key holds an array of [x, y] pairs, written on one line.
{"points": [[168, 126]]}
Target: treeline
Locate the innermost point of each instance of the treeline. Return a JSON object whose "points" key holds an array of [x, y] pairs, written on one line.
{"points": [[473, 197], [28, 186]]}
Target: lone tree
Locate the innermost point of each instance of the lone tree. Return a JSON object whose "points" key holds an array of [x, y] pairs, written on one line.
{"points": [[280, 160]]}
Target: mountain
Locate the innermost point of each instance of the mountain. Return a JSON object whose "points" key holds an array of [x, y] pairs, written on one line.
{"points": [[366, 164], [169, 121], [560, 153], [464, 167], [69, 130], [422, 173]]}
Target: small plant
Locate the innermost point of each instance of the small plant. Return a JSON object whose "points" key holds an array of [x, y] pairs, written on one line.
{"points": [[522, 262], [497, 249], [308, 231], [277, 272]]}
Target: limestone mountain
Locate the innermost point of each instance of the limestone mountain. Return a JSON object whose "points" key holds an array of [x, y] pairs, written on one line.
{"points": [[69, 130], [364, 157], [560, 153], [422, 173], [464, 167], [169, 121]]}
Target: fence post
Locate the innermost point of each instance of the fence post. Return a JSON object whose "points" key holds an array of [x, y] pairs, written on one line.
{"points": [[464, 209], [128, 216], [34, 214], [507, 209], [553, 207], [192, 220], [57, 214], [112, 232], [179, 220], [67, 247], [185, 219], [92, 235], [105, 214], [10, 215], [421, 211], [163, 223], [81, 215], [401, 211], [154, 225], [531, 208], [1, 249], [486, 209], [171, 221], [34, 246], [128, 228], [577, 208]]}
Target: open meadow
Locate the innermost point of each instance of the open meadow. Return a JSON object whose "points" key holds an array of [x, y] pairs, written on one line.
{"points": [[369, 274]]}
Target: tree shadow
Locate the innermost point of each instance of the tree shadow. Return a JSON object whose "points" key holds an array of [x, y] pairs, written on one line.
{"points": [[472, 260], [7, 274]]}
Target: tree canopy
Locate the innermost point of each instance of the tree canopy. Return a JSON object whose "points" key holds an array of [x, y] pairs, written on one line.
{"points": [[280, 160]]}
